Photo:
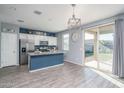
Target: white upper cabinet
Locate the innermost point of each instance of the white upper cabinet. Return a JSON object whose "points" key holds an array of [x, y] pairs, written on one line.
{"points": [[52, 40], [23, 36], [43, 38], [55, 41], [36, 39], [31, 38]]}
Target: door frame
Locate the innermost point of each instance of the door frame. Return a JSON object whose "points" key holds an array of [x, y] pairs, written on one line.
{"points": [[95, 46], [84, 30]]}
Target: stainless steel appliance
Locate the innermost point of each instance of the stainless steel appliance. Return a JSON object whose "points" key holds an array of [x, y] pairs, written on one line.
{"points": [[43, 42], [25, 46]]}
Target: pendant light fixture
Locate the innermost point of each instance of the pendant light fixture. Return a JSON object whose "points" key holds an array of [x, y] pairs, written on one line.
{"points": [[73, 21]]}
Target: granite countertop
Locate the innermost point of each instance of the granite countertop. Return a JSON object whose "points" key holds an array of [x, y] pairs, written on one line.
{"points": [[44, 53]]}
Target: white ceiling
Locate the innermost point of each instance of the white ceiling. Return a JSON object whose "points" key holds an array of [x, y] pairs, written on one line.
{"points": [[54, 16]]}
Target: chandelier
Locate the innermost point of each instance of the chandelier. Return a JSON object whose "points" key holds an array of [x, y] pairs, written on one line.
{"points": [[73, 21]]}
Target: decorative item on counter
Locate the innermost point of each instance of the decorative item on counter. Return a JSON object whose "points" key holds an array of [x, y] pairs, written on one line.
{"points": [[37, 51]]}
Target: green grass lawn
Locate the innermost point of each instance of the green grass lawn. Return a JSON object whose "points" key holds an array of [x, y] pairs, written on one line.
{"points": [[104, 56]]}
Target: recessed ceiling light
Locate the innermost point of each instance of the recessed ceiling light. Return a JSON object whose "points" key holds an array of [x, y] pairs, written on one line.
{"points": [[21, 21], [37, 12]]}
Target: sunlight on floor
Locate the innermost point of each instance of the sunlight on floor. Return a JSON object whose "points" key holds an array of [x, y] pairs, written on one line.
{"points": [[105, 66], [114, 81], [104, 69]]}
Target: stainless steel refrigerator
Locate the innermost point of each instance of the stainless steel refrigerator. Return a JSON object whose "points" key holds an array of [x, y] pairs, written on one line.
{"points": [[25, 46]]}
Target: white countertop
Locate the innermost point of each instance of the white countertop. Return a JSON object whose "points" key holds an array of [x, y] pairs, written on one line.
{"points": [[44, 53]]}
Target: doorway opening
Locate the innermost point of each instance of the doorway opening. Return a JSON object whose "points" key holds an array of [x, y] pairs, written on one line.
{"points": [[99, 47]]}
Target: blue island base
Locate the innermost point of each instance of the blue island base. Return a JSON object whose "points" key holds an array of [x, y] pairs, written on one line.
{"points": [[39, 62]]}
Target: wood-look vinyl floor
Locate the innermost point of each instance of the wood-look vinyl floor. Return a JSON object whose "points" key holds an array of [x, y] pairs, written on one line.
{"points": [[67, 76]]}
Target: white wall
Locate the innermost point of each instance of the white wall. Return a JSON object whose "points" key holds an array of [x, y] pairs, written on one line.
{"points": [[75, 53]]}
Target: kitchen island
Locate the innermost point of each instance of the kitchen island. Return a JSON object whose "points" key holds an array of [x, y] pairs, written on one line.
{"points": [[39, 61]]}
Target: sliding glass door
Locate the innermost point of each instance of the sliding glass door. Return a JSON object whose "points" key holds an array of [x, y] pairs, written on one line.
{"points": [[99, 47], [90, 48], [106, 41]]}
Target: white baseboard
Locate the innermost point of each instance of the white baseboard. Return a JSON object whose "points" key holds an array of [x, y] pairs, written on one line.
{"points": [[9, 66], [73, 62], [46, 68]]}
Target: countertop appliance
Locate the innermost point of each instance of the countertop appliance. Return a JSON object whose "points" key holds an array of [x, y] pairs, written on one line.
{"points": [[25, 46]]}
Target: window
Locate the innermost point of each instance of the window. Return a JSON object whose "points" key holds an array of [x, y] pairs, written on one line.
{"points": [[66, 42]]}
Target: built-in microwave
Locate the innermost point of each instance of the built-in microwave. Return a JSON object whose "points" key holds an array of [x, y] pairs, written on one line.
{"points": [[43, 42]]}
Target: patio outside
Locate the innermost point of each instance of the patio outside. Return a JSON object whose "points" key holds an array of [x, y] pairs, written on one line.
{"points": [[103, 59]]}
